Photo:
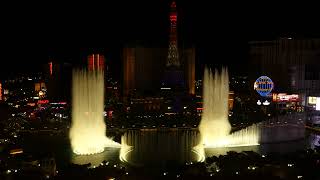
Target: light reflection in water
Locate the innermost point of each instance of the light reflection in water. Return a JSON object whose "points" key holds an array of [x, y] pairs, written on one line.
{"points": [[160, 147], [314, 140], [109, 154]]}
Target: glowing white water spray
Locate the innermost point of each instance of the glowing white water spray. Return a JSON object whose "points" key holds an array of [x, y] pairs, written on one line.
{"points": [[214, 126], [88, 129]]}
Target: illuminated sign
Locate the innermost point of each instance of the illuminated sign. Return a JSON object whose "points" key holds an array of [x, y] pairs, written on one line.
{"points": [[318, 104], [43, 101], [312, 100], [31, 104], [283, 97], [60, 103], [16, 151], [263, 85]]}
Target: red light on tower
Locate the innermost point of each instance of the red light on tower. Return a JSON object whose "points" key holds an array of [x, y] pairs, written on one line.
{"points": [[173, 18], [173, 55]]}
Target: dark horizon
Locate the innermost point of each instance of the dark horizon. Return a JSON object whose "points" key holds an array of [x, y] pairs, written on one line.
{"points": [[219, 32]]}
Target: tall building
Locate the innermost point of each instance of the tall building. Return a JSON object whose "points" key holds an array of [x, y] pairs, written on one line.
{"points": [[147, 69], [173, 54], [189, 56], [96, 62], [59, 78], [143, 69], [38, 86], [292, 64], [174, 76], [128, 71]]}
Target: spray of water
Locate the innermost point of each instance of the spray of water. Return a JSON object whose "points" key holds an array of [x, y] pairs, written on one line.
{"points": [[88, 129], [214, 126]]}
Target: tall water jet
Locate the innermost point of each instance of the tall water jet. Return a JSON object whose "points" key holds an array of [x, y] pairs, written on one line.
{"points": [[214, 125], [88, 130]]}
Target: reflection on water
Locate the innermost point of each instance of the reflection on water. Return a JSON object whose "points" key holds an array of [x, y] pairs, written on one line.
{"points": [[159, 147], [283, 130], [181, 146], [224, 150], [109, 154]]}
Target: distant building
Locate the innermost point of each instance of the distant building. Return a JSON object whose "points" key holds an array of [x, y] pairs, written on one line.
{"points": [[173, 75], [147, 69], [189, 56], [143, 69], [58, 77], [96, 62], [230, 101], [293, 65], [128, 71], [147, 104], [38, 86]]}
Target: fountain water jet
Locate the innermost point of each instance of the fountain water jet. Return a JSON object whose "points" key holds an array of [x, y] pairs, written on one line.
{"points": [[88, 130], [214, 126]]}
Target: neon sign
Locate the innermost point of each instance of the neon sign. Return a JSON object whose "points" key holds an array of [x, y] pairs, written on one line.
{"points": [[312, 100], [263, 85], [283, 97], [43, 101]]}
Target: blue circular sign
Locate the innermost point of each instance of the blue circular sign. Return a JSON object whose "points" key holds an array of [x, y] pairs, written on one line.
{"points": [[263, 85]]}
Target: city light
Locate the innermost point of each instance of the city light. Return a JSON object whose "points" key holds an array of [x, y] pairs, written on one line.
{"points": [[312, 100], [266, 103], [318, 104], [259, 102], [16, 151]]}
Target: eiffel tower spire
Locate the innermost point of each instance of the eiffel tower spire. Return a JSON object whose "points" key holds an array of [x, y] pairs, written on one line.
{"points": [[173, 55]]}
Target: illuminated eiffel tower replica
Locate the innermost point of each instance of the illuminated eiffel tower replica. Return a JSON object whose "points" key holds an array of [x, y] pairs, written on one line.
{"points": [[173, 75]]}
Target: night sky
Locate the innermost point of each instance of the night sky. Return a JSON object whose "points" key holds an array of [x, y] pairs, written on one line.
{"points": [[67, 32]]}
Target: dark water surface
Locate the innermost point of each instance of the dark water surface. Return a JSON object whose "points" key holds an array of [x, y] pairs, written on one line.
{"points": [[153, 149]]}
